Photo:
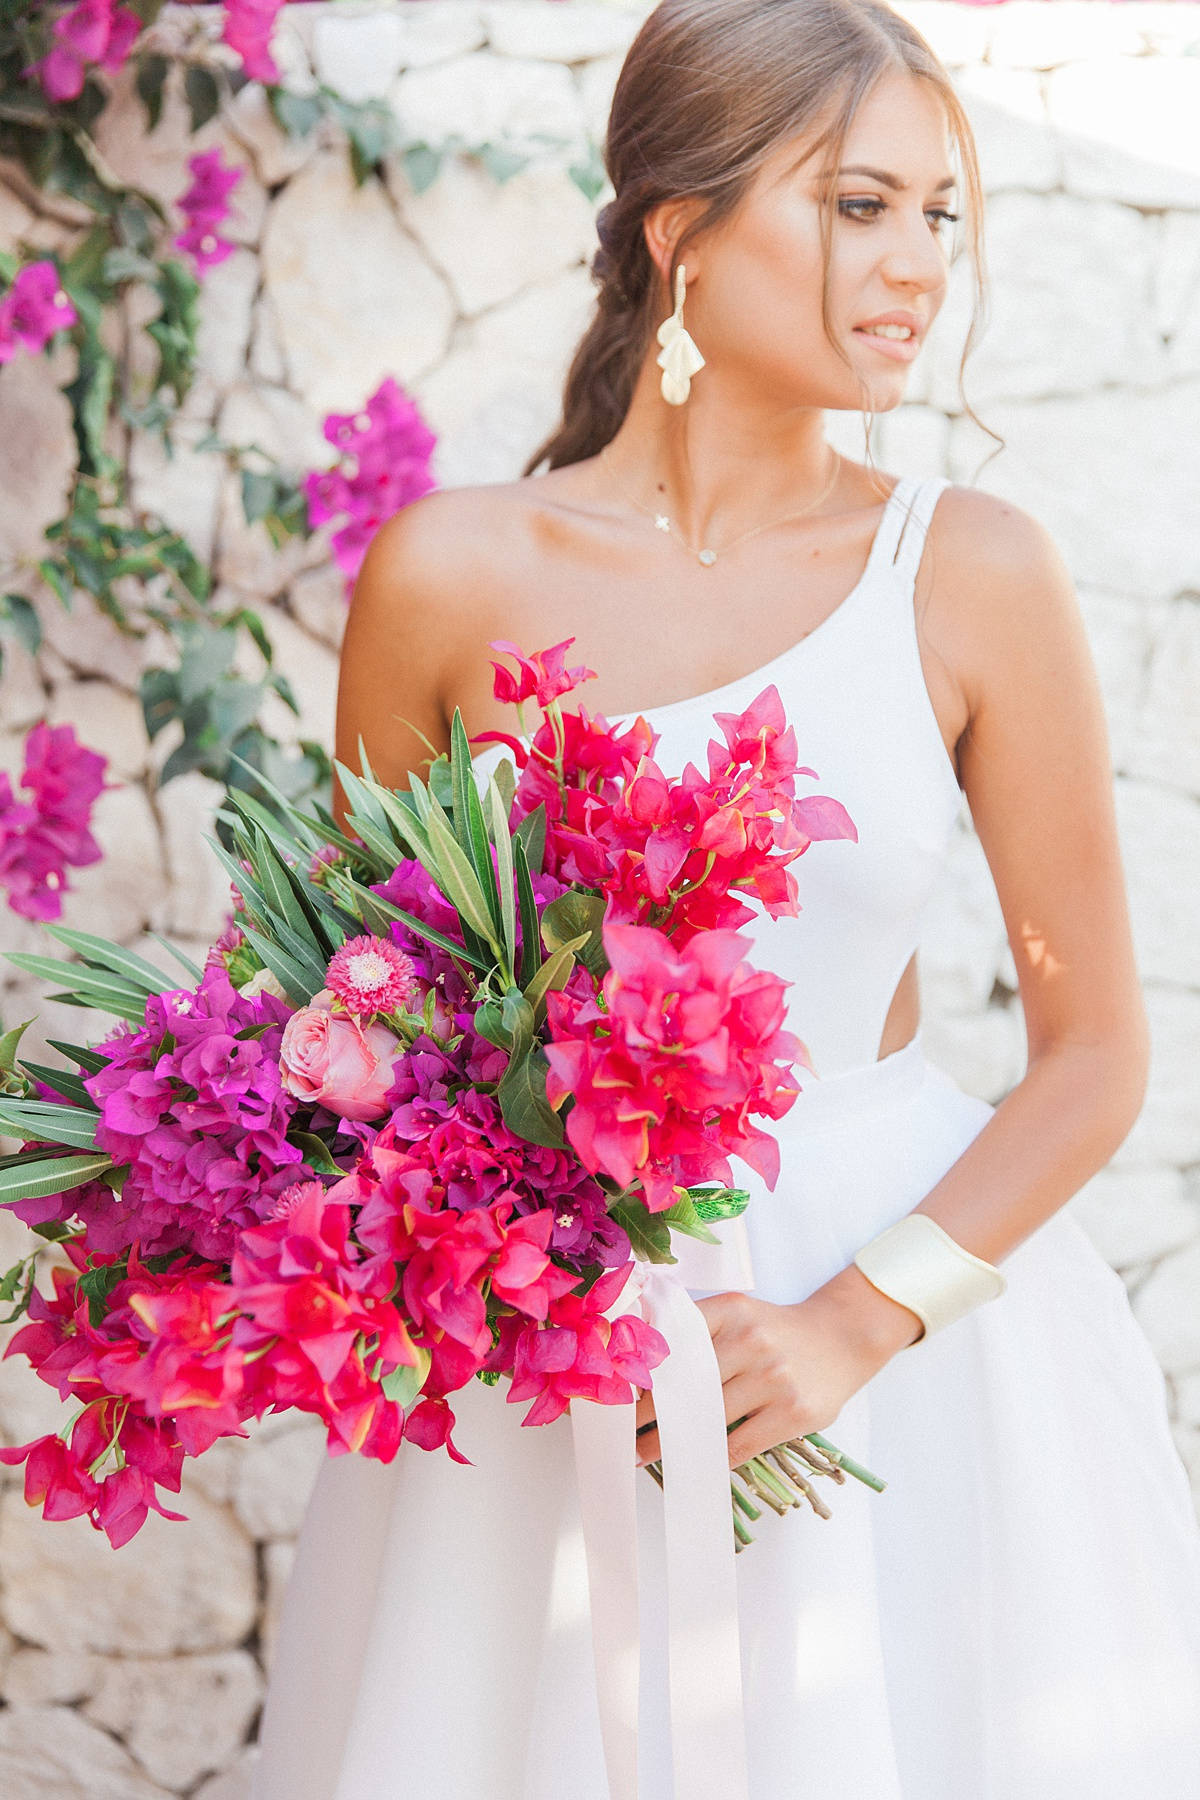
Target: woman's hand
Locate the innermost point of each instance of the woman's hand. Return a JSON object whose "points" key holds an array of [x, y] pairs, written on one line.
{"points": [[789, 1370]]}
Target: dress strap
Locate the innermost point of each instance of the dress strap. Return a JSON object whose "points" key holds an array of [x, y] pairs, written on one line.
{"points": [[911, 522]]}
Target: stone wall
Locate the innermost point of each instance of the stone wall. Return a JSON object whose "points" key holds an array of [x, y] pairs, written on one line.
{"points": [[137, 1674]]}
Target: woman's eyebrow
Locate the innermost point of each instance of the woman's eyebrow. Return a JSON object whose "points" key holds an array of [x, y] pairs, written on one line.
{"points": [[881, 175]]}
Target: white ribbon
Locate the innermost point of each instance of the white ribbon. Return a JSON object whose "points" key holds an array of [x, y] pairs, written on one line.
{"points": [[707, 1729]]}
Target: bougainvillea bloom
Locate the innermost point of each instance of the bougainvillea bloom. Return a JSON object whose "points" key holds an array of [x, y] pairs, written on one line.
{"points": [[93, 32], [43, 837], [205, 206], [385, 463], [667, 1074], [542, 676], [580, 1352], [33, 309], [370, 975]]}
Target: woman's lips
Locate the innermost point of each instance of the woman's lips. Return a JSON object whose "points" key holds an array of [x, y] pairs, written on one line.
{"points": [[899, 349]]}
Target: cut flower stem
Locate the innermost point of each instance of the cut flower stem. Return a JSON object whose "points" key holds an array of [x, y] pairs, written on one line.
{"points": [[774, 1478]]}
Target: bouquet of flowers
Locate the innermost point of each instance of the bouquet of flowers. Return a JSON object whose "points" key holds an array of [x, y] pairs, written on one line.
{"points": [[444, 1076]]}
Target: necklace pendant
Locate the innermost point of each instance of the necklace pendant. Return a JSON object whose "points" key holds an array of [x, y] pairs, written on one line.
{"points": [[661, 522], [707, 557]]}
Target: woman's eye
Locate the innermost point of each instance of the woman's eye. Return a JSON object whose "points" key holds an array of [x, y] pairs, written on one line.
{"points": [[850, 209]]}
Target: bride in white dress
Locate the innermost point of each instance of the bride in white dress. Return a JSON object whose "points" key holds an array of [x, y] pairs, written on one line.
{"points": [[1017, 1615]]}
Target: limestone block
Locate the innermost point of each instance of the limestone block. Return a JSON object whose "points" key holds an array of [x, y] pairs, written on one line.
{"points": [[29, 1407], [358, 57], [1092, 467], [87, 642], [1136, 1215], [183, 1716], [499, 392], [106, 719], [275, 421], [1017, 148], [1121, 633], [22, 696], [248, 563], [277, 1560], [157, 162], [226, 303], [50, 1751], [963, 929], [275, 1478], [1025, 35], [985, 1052], [400, 319], [125, 892], [16, 220], [1168, 1128], [198, 895], [596, 81], [182, 488], [1055, 262], [1128, 126], [37, 455], [266, 360], [1165, 1308], [568, 34], [488, 99], [959, 34], [233, 1783], [290, 53], [434, 33], [311, 667], [492, 239], [276, 155], [318, 599], [43, 1677], [1160, 847], [173, 1587], [1166, 743]]}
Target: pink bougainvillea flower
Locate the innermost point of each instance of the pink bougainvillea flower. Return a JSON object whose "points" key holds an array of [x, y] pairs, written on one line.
{"points": [[204, 205], [666, 1075], [33, 309], [333, 1060], [93, 32], [248, 27], [385, 457], [541, 676], [370, 975], [580, 1354], [42, 838]]}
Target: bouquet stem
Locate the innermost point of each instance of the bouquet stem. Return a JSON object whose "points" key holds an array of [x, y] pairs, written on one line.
{"points": [[775, 1478]]}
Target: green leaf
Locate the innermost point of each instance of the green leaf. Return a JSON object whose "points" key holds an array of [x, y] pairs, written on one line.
{"points": [[532, 832], [457, 879], [531, 943], [291, 975], [63, 1082], [17, 613], [502, 162], [504, 869], [316, 1152], [421, 165], [151, 74], [684, 1217], [185, 962], [489, 1023], [553, 973], [35, 1178], [574, 915], [521, 1090], [88, 987], [88, 1059], [96, 1284], [404, 1383], [202, 93], [99, 953], [649, 1233], [469, 825], [8, 1047], [430, 933], [42, 1119], [719, 1203]]}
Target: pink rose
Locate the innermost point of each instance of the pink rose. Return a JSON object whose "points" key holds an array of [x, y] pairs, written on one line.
{"points": [[331, 1059]]}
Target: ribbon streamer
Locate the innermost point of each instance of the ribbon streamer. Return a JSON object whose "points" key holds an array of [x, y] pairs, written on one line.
{"points": [[707, 1726]]}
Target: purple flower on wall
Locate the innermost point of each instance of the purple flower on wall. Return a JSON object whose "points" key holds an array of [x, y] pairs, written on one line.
{"points": [[34, 308], [248, 26], [385, 463], [43, 836], [95, 31], [205, 206]]}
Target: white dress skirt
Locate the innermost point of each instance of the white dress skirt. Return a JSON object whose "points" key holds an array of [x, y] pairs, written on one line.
{"points": [[1016, 1616]]}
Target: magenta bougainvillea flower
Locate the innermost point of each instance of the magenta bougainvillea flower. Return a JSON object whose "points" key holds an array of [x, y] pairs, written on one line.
{"points": [[580, 1352], [370, 975], [687, 1046], [32, 310], [93, 32], [248, 27], [542, 676], [204, 205], [386, 449], [44, 836]]}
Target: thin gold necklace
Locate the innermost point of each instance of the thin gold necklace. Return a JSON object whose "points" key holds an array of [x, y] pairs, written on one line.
{"points": [[706, 555]]}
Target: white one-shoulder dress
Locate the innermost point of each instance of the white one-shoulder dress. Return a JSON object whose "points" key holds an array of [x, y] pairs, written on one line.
{"points": [[1015, 1617]]}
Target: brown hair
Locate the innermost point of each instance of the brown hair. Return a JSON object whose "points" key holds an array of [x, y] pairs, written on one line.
{"points": [[708, 91]]}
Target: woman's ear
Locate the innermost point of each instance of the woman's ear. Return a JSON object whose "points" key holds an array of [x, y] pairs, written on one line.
{"points": [[663, 226]]}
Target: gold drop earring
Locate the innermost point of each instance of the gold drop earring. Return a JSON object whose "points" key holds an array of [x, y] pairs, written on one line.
{"points": [[679, 358]]}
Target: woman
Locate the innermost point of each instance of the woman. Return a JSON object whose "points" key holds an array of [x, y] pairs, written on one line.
{"points": [[1017, 1617]]}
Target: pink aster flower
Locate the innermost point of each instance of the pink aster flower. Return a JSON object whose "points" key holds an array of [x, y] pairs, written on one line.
{"points": [[370, 975]]}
